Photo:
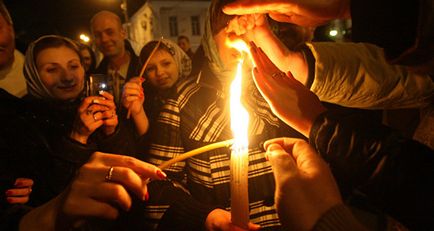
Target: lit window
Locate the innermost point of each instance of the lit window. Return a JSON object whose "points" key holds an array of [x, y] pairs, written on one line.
{"points": [[195, 25], [173, 26]]}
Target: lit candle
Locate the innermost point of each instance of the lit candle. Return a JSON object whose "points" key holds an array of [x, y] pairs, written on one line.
{"points": [[239, 156]]}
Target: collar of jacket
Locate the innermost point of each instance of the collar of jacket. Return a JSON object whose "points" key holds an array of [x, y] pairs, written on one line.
{"points": [[133, 68]]}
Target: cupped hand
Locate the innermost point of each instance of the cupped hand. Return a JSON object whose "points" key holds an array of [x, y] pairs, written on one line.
{"points": [[109, 117], [100, 192], [133, 96], [220, 220], [290, 100], [305, 187], [21, 191], [304, 13], [249, 26], [94, 112]]}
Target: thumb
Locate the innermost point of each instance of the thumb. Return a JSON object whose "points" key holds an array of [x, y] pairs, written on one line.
{"points": [[253, 227], [281, 161]]}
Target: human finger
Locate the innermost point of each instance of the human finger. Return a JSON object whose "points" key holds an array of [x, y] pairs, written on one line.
{"points": [[106, 95], [105, 102], [86, 102], [307, 158], [305, 155], [279, 140], [298, 19], [132, 88], [265, 65], [94, 108], [281, 17], [110, 114], [111, 122], [132, 92], [17, 200], [137, 80], [142, 168], [114, 194], [262, 84], [129, 179], [18, 192], [268, 64], [282, 162], [242, 7], [260, 80], [78, 204], [253, 226], [132, 98], [23, 182], [97, 119], [255, 55]]}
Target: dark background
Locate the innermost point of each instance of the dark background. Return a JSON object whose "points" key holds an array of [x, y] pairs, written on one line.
{"points": [[33, 18]]}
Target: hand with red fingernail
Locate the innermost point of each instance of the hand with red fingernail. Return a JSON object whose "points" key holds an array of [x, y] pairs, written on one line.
{"points": [[102, 188], [21, 191]]}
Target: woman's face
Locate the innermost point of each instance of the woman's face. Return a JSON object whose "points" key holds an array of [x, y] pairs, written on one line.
{"points": [[87, 59], [229, 56], [162, 70], [61, 72]]}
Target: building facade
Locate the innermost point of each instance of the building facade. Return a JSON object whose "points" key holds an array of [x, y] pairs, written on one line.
{"points": [[169, 19]]}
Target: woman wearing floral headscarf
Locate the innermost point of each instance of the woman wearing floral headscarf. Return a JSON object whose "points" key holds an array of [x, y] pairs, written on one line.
{"points": [[168, 64], [71, 122]]}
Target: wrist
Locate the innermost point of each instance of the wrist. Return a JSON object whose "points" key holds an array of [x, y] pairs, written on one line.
{"points": [[78, 137], [108, 131], [45, 217], [309, 123], [139, 114]]}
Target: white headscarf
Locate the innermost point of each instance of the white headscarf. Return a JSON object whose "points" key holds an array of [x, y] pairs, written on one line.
{"points": [[35, 87], [181, 58]]}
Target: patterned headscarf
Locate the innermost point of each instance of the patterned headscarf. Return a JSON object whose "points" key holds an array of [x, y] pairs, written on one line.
{"points": [[253, 100], [215, 63], [35, 86], [181, 58]]}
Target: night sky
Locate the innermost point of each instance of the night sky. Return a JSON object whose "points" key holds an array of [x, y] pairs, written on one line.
{"points": [[33, 18]]}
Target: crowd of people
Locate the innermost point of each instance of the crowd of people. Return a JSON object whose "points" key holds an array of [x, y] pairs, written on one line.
{"points": [[75, 159]]}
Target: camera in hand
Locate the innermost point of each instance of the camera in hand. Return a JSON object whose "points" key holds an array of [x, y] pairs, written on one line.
{"points": [[99, 82]]}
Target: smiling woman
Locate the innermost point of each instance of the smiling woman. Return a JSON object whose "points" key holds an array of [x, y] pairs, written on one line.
{"points": [[60, 71], [55, 76], [166, 64]]}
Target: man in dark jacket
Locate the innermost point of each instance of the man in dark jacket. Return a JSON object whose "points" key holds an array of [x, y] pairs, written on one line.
{"points": [[119, 60]]}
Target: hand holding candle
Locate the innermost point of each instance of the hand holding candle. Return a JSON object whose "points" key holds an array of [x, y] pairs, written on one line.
{"points": [[142, 71]]}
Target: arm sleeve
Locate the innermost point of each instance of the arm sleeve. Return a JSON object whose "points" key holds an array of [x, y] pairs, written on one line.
{"points": [[338, 218], [358, 75], [394, 172], [122, 141], [166, 142]]}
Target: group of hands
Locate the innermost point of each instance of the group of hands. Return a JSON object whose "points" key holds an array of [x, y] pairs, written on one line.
{"points": [[305, 187]]}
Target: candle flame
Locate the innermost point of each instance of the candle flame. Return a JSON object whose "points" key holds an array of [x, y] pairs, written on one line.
{"points": [[239, 115]]}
